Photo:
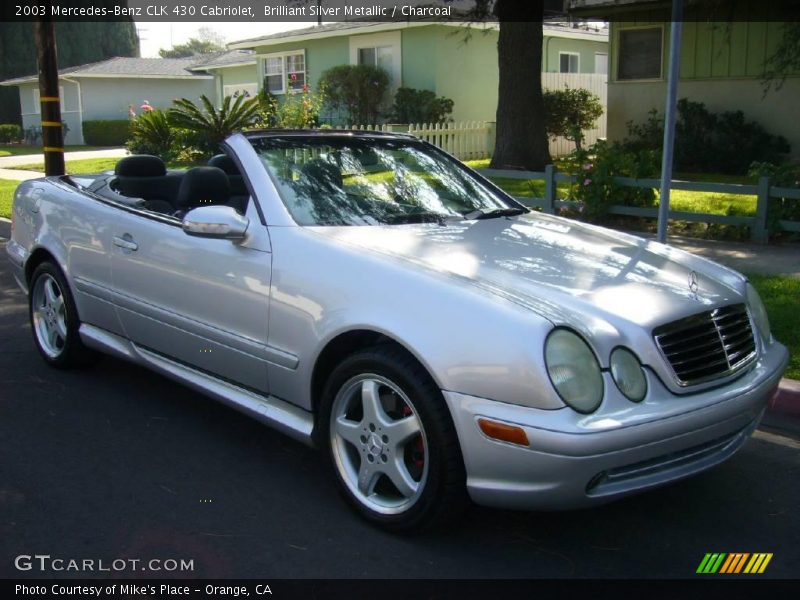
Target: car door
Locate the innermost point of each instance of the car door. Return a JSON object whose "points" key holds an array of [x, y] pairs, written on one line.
{"points": [[201, 301]]}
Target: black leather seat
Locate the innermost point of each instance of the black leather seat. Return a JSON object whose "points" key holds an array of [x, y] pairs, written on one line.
{"points": [[145, 176], [202, 186], [239, 191]]}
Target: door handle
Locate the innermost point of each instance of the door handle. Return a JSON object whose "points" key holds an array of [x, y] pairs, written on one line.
{"points": [[126, 243]]}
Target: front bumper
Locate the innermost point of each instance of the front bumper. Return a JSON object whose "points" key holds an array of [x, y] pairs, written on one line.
{"points": [[575, 461]]}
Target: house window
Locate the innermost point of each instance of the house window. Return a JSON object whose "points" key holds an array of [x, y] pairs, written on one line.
{"points": [[601, 63], [569, 62], [378, 56], [37, 103], [285, 72], [640, 53]]}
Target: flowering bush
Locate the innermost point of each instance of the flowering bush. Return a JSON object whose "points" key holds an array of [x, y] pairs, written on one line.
{"points": [[595, 170], [300, 110]]}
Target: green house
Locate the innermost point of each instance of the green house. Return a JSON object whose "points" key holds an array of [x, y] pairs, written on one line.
{"points": [[423, 55], [722, 65]]}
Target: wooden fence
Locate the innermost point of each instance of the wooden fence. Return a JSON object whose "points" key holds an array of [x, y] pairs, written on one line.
{"points": [[466, 140], [763, 190]]}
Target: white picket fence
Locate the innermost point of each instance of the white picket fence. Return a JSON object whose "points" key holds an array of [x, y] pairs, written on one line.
{"points": [[595, 83], [465, 140], [468, 140]]}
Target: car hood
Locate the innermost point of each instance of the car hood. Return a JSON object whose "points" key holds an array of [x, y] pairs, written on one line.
{"points": [[561, 268]]}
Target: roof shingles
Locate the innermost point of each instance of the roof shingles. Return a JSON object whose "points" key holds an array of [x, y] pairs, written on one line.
{"points": [[147, 67]]}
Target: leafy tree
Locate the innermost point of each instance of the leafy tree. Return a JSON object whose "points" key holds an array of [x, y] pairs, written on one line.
{"points": [[569, 112], [358, 90], [208, 125], [193, 47], [420, 106], [785, 60], [521, 141], [18, 50]]}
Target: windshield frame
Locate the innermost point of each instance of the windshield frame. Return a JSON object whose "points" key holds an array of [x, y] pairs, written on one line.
{"points": [[319, 136]]}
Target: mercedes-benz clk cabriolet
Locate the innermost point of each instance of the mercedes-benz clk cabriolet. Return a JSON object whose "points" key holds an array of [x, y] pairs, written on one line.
{"points": [[371, 295]]}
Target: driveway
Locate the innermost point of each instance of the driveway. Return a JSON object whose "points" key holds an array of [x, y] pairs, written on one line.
{"points": [[116, 461]]}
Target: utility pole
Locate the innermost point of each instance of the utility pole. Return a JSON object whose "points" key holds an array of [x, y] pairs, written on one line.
{"points": [[52, 132], [669, 118]]}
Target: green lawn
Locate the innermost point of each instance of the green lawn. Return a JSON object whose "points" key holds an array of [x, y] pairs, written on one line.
{"points": [[6, 194], [680, 200], [23, 150], [781, 295], [91, 165]]}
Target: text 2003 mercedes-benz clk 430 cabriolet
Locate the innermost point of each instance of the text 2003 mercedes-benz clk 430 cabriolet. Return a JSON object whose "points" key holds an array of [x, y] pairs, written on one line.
{"points": [[370, 294]]}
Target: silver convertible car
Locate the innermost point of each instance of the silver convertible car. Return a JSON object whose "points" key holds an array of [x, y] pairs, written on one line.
{"points": [[369, 294]]}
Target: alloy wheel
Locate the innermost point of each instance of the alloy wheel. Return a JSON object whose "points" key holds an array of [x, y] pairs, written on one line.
{"points": [[379, 444]]}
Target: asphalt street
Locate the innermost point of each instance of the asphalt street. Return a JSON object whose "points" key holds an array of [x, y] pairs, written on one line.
{"points": [[117, 462]]}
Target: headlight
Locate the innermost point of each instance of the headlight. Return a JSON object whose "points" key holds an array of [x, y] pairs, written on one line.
{"points": [[759, 313], [573, 370], [628, 374]]}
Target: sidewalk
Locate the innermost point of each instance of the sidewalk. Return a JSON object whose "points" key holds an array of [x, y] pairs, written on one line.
{"points": [[746, 257], [18, 175], [9, 162]]}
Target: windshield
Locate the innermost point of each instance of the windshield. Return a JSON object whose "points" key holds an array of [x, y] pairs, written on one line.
{"points": [[348, 180]]}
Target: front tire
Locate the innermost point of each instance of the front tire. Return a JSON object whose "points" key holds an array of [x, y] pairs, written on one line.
{"points": [[391, 441], [54, 319]]}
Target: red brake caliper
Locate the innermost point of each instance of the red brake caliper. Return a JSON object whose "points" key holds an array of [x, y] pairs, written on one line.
{"points": [[418, 451]]}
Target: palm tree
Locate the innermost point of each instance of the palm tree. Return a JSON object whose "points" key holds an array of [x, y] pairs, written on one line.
{"points": [[212, 125]]}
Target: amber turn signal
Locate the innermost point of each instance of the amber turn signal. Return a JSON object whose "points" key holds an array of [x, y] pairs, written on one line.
{"points": [[503, 432]]}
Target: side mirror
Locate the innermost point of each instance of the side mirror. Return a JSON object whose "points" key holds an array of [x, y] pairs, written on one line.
{"points": [[220, 222]]}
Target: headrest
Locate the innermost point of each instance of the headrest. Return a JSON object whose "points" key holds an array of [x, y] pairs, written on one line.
{"points": [[140, 165], [224, 162], [202, 186]]}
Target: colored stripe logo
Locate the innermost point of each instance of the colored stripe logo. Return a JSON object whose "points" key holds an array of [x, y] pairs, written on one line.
{"points": [[734, 563]]}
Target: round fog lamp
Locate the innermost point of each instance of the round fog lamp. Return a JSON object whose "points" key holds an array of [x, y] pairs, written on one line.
{"points": [[628, 374]]}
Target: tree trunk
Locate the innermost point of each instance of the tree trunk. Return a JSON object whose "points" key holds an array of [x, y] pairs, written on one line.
{"points": [[521, 137]]}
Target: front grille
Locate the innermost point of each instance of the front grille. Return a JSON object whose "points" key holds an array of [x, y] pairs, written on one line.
{"points": [[708, 345]]}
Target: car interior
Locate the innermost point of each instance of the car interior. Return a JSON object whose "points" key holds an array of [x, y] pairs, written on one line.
{"points": [[143, 181]]}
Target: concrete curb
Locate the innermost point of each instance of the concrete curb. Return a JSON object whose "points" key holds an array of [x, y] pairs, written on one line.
{"points": [[786, 400]]}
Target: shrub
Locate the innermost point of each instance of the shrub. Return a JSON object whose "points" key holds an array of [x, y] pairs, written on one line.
{"points": [[151, 133], [569, 112], [207, 127], [106, 133], [10, 133], [267, 109], [596, 169], [420, 106], [357, 90], [705, 141]]}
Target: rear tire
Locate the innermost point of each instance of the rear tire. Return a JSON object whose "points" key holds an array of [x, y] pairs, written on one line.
{"points": [[54, 319], [391, 441]]}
